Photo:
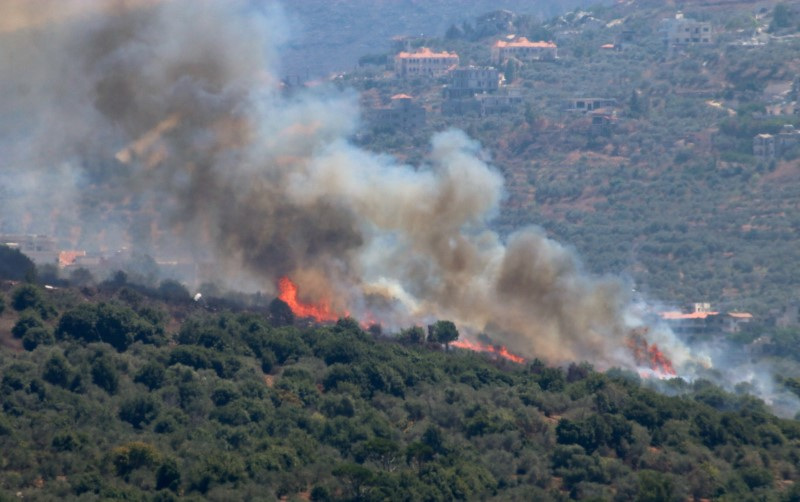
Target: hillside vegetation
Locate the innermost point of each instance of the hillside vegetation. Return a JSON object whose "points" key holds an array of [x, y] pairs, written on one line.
{"points": [[670, 192], [329, 37], [119, 395]]}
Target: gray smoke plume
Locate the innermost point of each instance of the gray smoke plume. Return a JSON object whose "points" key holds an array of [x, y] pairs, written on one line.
{"points": [[161, 124]]}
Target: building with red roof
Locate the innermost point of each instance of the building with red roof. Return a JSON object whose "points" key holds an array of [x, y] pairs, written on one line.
{"points": [[524, 50], [424, 63]]}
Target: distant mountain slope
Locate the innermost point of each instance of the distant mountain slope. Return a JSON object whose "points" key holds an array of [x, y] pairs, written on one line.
{"points": [[331, 35]]}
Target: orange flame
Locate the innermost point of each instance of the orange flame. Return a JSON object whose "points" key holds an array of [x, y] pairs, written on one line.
{"points": [[660, 362], [494, 349], [650, 355], [288, 293]]}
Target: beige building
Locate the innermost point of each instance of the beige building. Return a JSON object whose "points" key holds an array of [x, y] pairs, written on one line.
{"points": [[524, 50], [424, 63]]}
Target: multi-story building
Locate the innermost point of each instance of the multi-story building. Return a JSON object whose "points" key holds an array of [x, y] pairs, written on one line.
{"points": [[41, 249], [524, 50], [424, 63], [764, 146], [402, 113], [682, 31], [769, 146], [501, 102], [465, 82], [788, 138]]}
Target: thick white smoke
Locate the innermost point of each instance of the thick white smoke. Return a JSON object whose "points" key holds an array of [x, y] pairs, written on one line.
{"points": [[161, 125]]}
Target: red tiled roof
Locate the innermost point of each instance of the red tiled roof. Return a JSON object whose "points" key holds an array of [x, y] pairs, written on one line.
{"points": [[68, 257], [524, 42], [674, 316]]}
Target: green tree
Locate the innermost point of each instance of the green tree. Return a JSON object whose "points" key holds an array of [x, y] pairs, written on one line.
{"points": [[118, 326], [355, 477], [112, 323], [151, 374], [37, 336], [280, 313], [168, 476], [132, 456], [443, 332], [57, 370], [28, 296], [139, 410], [14, 265], [412, 336], [29, 319], [105, 375], [654, 487], [382, 451], [419, 453], [79, 323]]}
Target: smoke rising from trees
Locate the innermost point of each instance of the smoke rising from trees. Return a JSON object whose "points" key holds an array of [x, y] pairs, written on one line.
{"points": [[172, 108], [162, 126]]}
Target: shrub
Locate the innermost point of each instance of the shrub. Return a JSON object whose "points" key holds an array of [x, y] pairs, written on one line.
{"points": [[151, 375], [111, 323], [132, 456], [139, 411], [172, 291], [37, 336], [57, 370], [28, 320], [79, 323], [104, 375], [28, 296], [168, 476]]}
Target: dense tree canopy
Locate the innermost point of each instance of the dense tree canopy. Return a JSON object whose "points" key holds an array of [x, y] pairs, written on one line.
{"points": [[235, 407]]}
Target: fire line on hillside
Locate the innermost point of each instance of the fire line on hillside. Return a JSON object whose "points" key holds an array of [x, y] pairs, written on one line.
{"points": [[645, 354]]}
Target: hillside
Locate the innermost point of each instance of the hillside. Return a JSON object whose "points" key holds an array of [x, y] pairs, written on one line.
{"points": [[669, 193], [327, 37], [120, 395], [411, 282]]}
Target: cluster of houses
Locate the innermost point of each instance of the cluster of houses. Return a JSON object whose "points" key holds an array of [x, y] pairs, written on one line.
{"points": [[43, 250], [483, 90], [470, 89], [700, 319]]}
